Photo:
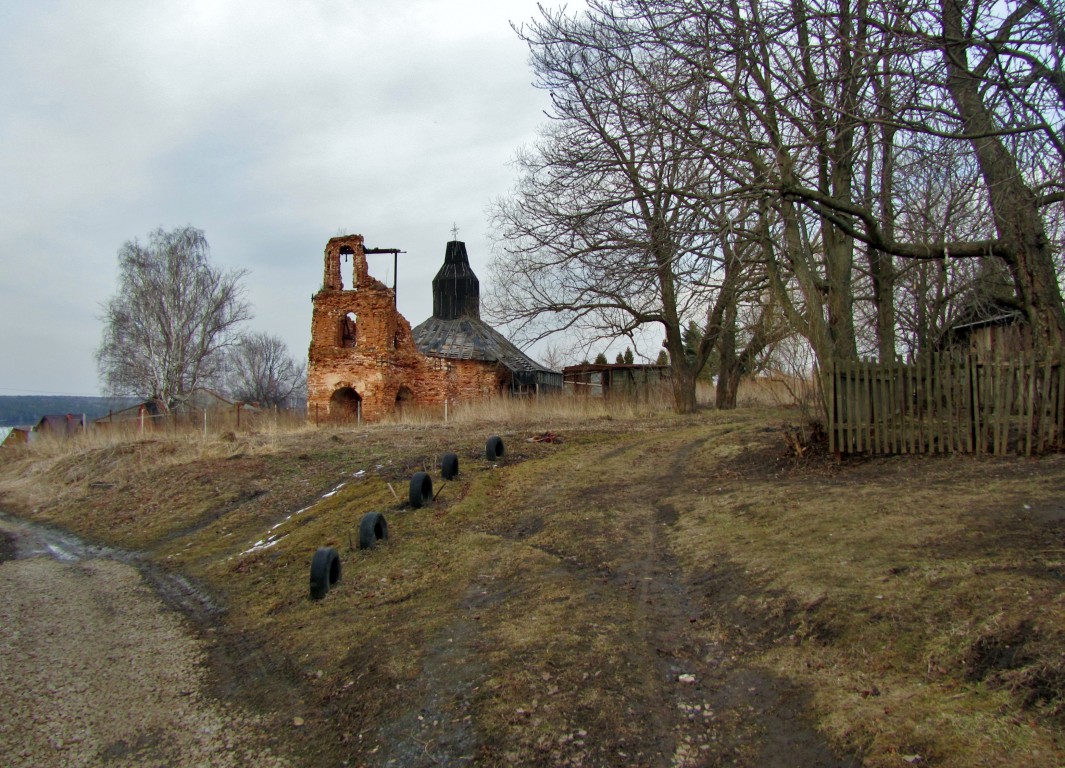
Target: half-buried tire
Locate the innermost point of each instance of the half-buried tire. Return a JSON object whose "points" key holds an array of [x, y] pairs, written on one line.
{"points": [[493, 449], [372, 528], [449, 466], [421, 490], [325, 571]]}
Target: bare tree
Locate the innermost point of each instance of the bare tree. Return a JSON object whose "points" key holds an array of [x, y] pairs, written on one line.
{"points": [[828, 93], [993, 55], [840, 168], [174, 314], [553, 357], [261, 371], [937, 197], [612, 226]]}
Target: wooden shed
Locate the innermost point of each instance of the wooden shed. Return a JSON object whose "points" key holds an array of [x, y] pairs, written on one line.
{"points": [[631, 380], [1001, 332]]}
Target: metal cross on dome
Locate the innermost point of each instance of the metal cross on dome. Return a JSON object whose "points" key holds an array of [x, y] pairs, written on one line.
{"points": [[454, 231]]}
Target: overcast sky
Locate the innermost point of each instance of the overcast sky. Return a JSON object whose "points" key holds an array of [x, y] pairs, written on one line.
{"points": [[271, 125]]}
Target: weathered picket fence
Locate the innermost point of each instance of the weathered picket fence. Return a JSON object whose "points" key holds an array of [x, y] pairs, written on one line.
{"points": [[946, 403]]}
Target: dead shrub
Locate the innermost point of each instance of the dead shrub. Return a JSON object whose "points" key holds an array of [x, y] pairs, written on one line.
{"points": [[806, 438]]}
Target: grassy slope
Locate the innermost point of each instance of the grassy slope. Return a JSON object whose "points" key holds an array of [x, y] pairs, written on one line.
{"points": [[547, 610]]}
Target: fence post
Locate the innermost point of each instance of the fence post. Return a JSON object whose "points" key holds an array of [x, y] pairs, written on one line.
{"points": [[944, 402], [852, 409]]}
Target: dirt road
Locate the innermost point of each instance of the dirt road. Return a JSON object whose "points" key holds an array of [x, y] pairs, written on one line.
{"points": [[96, 670]]}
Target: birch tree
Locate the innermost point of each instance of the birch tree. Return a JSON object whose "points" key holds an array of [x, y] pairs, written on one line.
{"points": [[172, 317]]}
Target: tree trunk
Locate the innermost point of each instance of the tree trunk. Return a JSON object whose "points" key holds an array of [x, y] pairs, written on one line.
{"points": [[728, 372], [737, 364], [881, 265], [681, 371], [1018, 219], [683, 389], [728, 387]]}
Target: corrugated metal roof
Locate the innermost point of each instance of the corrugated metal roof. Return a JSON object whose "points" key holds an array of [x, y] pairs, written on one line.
{"points": [[999, 319], [469, 338], [591, 367]]}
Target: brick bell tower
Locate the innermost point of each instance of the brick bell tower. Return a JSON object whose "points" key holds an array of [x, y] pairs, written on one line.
{"points": [[362, 360]]}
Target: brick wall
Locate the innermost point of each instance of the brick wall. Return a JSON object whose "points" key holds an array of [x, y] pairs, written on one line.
{"points": [[360, 342]]}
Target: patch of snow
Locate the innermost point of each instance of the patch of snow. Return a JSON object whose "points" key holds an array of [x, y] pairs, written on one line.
{"points": [[262, 544], [333, 492]]}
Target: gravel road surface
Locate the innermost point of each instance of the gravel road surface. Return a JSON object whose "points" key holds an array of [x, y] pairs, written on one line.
{"points": [[96, 671]]}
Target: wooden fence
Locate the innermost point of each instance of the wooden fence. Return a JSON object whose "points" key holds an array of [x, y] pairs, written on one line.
{"points": [[944, 404]]}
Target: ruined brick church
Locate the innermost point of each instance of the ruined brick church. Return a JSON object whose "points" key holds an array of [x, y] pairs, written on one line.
{"points": [[365, 361]]}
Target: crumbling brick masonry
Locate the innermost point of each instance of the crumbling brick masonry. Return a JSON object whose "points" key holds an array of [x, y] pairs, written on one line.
{"points": [[365, 361]]}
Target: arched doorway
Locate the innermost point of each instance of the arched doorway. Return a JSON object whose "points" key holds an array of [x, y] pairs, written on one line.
{"points": [[404, 397], [345, 404]]}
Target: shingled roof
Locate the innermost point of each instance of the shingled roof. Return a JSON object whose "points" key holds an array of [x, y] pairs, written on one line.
{"points": [[456, 330], [470, 338]]}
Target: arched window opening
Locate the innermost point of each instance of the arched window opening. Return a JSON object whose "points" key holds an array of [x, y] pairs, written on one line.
{"points": [[348, 330], [346, 252], [404, 397], [345, 404]]}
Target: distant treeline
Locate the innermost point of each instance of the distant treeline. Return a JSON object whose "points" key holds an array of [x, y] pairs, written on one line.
{"points": [[27, 410]]}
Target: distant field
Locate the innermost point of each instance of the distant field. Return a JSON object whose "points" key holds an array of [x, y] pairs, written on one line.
{"points": [[653, 590]]}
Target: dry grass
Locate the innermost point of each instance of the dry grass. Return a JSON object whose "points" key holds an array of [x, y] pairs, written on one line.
{"points": [[894, 575], [539, 611], [777, 390], [546, 409]]}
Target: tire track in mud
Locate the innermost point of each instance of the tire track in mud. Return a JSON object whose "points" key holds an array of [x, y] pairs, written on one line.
{"points": [[440, 729], [697, 700], [716, 709]]}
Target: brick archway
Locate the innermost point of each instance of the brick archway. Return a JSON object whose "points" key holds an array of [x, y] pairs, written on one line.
{"points": [[404, 397], [345, 404]]}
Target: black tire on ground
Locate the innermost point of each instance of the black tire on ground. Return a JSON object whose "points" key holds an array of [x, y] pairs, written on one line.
{"points": [[325, 571], [449, 466], [372, 528], [493, 449], [421, 490]]}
